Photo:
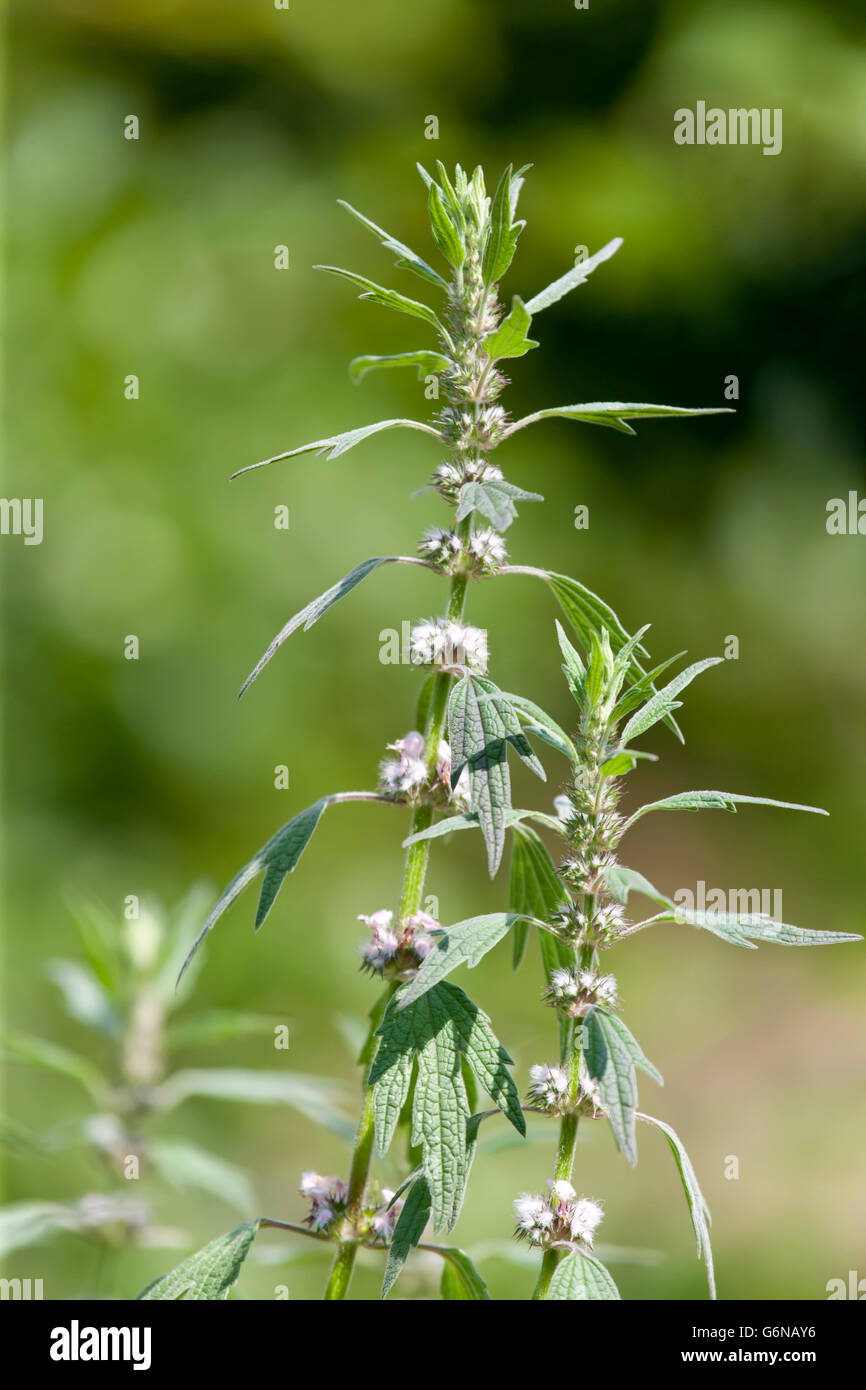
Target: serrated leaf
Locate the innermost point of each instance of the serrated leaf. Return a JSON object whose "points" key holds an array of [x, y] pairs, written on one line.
{"points": [[426, 362], [503, 233], [186, 1165], [698, 1209], [641, 690], [276, 859], [471, 822], [581, 1277], [445, 234], [407, 259], [466, 943], [536, 721], [578, 275], [408, 1231], [337, 444], [535, 888], [611, 1054], [510, 338], [481, 723], [495, 500], [210, 1273], [461, 1281], [614, 414], [389, 299], [716, 801], [316, 1097], [660, 705], [738, 927], [311, 614], [439, 1032]]}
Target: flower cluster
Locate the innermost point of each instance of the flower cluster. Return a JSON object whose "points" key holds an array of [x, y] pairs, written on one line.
{"points": [[396, 952], [575, 992], [548, 1087], [549, 1090], [406, 776], [483, 553], [560, 1218], [449, 477], [466, 429], [449, 645], [598, 928], [327, 1197]]}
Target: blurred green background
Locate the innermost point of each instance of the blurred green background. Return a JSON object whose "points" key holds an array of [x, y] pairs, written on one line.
{"points": [[156, 257]]}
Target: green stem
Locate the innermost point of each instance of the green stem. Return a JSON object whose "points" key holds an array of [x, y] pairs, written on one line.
{"points": [[411, 894], [565, 1149]]}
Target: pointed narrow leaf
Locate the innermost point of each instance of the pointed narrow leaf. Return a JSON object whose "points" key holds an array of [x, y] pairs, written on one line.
{"points": [[186, 1165], [578, 275], [338, 444], [502, 237], [407, 259], [661, 704], [389, 299], [716, 801], [210, 1273], [471, 822], [466, 943], [407, 1232], [535, 888], [613, 413], [425, 361], [445, 234], [276, 859], [611, 1054], [536, 721], [698, 1209], [581, 1277], [306, 617]]}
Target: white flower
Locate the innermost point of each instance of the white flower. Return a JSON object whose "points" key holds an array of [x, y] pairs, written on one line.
{"points": [[405, 774], [584, 1217], [443, 547], [459, 794], [418, 927], [443, 642], [534, 1216], [384, 943], [326, 1196], [314, 1185], [547, 1085], [488, 548], [563, 1217], [384, 1218]]}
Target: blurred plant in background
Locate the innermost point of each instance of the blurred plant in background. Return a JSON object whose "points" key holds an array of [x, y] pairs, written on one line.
{"points": [[124, 992]]}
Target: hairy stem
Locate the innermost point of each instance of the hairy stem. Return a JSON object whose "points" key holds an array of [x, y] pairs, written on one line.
{"points": [[411, 893]]}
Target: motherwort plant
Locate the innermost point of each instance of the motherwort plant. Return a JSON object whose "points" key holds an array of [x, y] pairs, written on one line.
{"points": [[430, 1048]]}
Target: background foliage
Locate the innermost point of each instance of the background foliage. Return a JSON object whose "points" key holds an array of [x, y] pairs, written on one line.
{"points": [[156, 257]]}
